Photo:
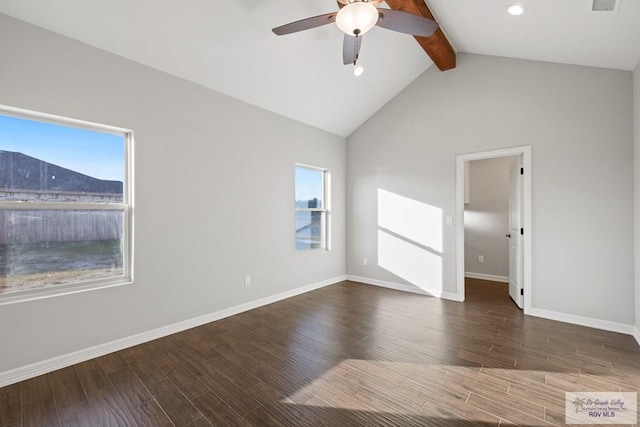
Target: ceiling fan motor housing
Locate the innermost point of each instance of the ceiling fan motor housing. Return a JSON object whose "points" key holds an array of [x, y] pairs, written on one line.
{"points": [[357, 17]]}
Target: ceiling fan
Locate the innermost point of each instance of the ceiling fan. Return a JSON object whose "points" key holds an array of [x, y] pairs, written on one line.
{"points": [[356, 17]]}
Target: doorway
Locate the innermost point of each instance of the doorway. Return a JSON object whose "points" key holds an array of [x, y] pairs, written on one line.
{"points": [[491, 209], [520, 273]]}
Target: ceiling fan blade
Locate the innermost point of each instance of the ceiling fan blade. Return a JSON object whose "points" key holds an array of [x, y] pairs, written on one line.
{"points": [[407, 23], [351, 48], [305, 24]]}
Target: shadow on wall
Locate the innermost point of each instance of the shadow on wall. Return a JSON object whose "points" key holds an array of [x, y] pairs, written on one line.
{"points": [[410, 240]]}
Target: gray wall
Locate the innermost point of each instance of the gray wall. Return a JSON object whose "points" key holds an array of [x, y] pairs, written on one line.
{"points": [[636, 189], [578, 121], [214, 195], [486, 218]]}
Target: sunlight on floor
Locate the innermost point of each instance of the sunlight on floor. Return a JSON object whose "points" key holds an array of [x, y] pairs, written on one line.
{"points": [[362, 385], [374, 386]]}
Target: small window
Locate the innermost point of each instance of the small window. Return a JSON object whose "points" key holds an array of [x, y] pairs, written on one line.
{"points": [[65, 205], [312, 221]]}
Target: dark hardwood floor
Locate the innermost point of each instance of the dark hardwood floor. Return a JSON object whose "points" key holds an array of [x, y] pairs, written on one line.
{"points": [[345, 355]]}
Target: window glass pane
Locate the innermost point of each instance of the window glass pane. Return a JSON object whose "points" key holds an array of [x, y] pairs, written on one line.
{"points": [[52, 162], [45, 248], [309, 229], [309, 188]]}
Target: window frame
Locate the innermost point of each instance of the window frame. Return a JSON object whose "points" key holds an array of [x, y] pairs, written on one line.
{"points": [[325, 209], [126, 207]]}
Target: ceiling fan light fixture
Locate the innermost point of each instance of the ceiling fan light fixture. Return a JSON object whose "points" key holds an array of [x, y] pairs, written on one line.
{"points": [[515, 10], [357, 18], [358, 70]]}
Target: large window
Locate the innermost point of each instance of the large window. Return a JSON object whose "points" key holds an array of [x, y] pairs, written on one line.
{"points": [[65, 205], [312, 208]]}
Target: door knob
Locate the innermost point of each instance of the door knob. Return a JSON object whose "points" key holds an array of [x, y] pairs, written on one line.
{"points": [[508, 235]]}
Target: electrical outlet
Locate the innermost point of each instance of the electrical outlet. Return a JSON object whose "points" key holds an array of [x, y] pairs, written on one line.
{"points": [[481, 258], [365, 262], [247, 280]]}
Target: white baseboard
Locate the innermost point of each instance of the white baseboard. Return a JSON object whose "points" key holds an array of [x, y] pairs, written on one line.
{"points": [[482, 276], [605, 325], [403, 287], [33, 370], [636, 334]]}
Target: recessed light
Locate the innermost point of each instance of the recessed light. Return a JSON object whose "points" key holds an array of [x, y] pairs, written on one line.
{"points": [[515, 10]]}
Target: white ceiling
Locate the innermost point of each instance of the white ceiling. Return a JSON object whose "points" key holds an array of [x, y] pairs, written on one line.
{"points": [[228, 45]]}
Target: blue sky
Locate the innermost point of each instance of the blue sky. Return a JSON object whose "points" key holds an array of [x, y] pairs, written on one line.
{"points": [[97, 154], [308, 183]]}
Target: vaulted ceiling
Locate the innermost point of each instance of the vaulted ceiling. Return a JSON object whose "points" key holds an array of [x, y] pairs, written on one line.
{"points": [[229, 47]]}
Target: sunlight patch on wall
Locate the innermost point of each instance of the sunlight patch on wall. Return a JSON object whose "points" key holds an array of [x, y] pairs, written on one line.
{"points": [[412, 263], [410, 240], [417, 221]]}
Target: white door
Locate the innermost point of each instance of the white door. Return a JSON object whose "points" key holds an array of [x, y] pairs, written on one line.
{"points": [[515, 236]]}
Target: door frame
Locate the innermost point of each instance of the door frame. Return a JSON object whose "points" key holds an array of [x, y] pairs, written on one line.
{"points": [[525, 151]]}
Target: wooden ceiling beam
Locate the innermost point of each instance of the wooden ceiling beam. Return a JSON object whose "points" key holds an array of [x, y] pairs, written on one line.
{"points": [[436, 45]]}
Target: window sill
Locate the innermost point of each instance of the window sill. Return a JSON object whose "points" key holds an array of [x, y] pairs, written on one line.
{"points": [[37, 294]]}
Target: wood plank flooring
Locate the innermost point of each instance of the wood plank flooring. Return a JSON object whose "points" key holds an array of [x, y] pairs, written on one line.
{"points": [[345, 355]]}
